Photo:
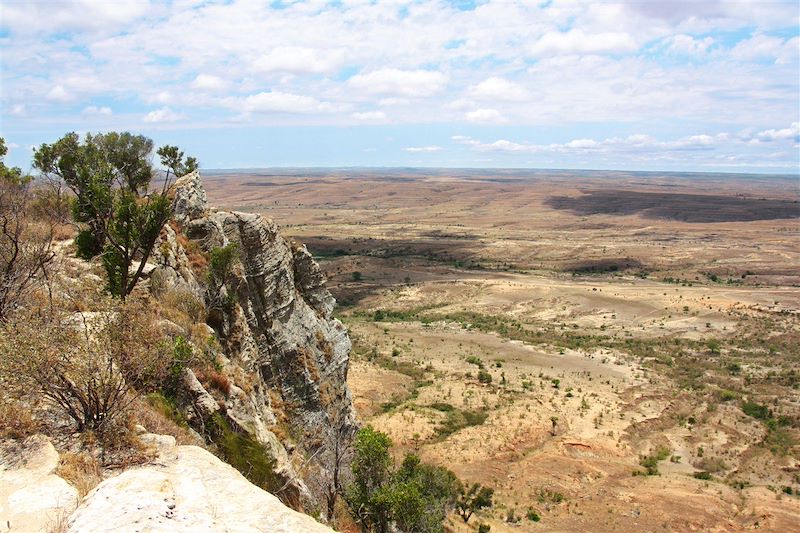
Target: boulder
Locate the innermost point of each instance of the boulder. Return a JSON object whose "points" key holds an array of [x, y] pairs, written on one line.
{"points": [[188, 491], [32, 496]]}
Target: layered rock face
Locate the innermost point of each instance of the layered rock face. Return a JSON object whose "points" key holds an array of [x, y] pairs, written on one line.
{"points": [[286, 357]]}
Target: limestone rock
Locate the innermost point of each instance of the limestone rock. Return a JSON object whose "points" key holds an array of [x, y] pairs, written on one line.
{"points": [[32, 497], [192, 492], [273, 319], [201, 403], [310, 281], [190, 198]]}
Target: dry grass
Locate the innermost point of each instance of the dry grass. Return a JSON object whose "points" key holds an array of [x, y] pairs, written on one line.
{"points": [[214, 379], [306, 359], [63, 232], [198, 259], [16, 420], [82, 470], [182, 307], [59, 522], [154, 421], [324, 345]]}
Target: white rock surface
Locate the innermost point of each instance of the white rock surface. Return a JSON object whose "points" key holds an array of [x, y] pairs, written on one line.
{"points": [[32, 497], [190, 491]]}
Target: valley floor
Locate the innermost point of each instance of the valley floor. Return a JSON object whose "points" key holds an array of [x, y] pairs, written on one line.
{"points": [[560, 351]]}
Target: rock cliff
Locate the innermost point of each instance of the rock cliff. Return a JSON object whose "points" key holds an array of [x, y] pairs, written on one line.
{"points": [[285, 357]]}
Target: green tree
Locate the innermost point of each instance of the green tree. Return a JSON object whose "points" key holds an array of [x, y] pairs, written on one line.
{"points": [[473, 498], [414, 498], [369, 496], [428, 494], [10, 174], [111, 176]]}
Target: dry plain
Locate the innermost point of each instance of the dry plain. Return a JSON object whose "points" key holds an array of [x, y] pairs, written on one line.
{"points": [[560, 335]]}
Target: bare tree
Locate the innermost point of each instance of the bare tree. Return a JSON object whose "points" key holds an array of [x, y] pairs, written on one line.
{"points": [[339, 442], [25, 244]]}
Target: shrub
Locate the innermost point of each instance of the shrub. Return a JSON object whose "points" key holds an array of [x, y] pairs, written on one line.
{"points": [[650, 462], [702, 475], [91, 371], [474, 360], [245, 454], [473, 498], [756, 410], [16, 421], [484, 376], [532, 515], [457, 420]]}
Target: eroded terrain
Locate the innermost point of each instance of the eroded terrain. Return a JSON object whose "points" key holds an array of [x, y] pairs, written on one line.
{"points": [[560, 337]]}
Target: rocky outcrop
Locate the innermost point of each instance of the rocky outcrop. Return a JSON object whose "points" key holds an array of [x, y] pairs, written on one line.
{"points": [[190, 197], [32, 496], [285, 356], [186, 490]]}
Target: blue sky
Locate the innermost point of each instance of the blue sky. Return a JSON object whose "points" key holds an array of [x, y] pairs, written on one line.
{"points": [[652, 85]]}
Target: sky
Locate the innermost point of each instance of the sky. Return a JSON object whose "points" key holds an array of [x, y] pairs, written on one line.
{"points": [[631, 84]]}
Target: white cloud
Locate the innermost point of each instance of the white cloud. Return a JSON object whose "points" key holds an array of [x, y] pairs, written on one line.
{"points": [[637, 143], [165, 114], [422, 149], [496, 88], [686, 44], [209, 82], [790, 133], [278, 102], [300, 59], [38, 16], [369, 115], [576, 41], [59, 94], [761, 46], [161, 97], [463, 139], [684, 65], [485, 115], [404, 83], [94, 110]]}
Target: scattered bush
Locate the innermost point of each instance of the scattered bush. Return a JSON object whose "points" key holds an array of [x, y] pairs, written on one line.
{"points": [[474, 360], [756, 410], [457, 420], [473, 498]]}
